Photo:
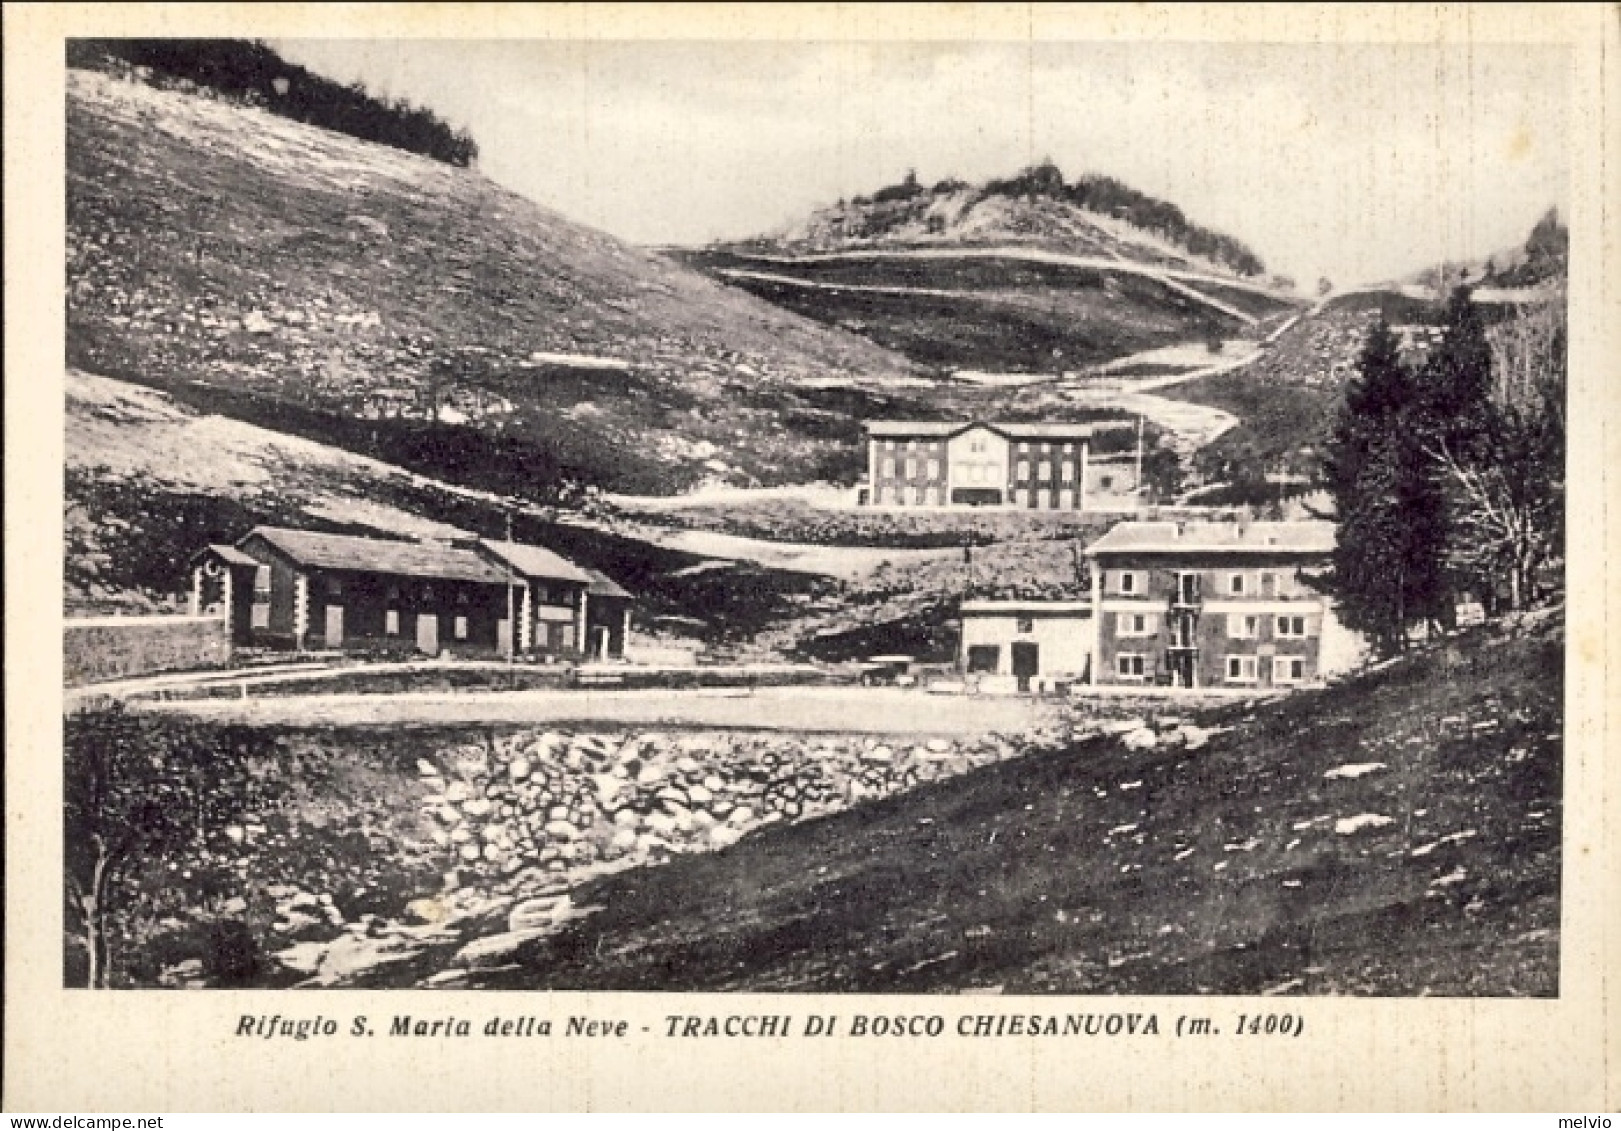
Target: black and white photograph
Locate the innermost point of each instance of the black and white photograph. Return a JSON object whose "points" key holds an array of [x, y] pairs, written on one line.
{"points": [[1068, 519]]}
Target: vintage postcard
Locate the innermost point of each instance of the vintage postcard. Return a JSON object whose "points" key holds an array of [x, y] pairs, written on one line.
{"points": [[971, 557]]}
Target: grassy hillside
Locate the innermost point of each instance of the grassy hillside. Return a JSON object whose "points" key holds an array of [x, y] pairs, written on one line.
{"points": [[1394, 835], [1007, 276], [399, 307]]}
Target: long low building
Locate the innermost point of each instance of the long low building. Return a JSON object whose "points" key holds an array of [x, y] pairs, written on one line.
{"points": [[1041, 466], [300, 590]]}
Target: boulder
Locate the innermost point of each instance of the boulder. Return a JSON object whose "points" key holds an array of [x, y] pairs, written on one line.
{"points": [[1142, 738], [723, 835], [519, 769], [561, 830], [627, 818], [494, 950]]}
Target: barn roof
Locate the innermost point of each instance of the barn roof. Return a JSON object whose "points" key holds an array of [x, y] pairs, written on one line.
{"points": [[534, 561], [1225, 537], [230, 555], [377, 555], [604, 586]]}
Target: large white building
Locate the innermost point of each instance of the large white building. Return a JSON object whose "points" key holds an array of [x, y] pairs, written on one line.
{"points": [[967, 464]]}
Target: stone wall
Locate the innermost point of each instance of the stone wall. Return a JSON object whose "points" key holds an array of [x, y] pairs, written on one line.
{"points": [[101, 648]]}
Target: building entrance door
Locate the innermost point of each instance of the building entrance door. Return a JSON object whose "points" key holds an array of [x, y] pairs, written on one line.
{"points": [[428, 633], [1026, 663], [334, 626]]}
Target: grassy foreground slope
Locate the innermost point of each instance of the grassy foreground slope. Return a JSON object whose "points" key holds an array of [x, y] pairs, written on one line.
{"points": [[1397, 834], [405, 309]]}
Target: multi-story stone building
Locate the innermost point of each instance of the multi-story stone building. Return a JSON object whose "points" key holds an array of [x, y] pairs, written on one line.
{"points": [[1215, 605], [967, 464]]}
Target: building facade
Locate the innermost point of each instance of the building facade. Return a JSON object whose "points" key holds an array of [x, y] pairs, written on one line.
{"points": [[934, 464], [300, 590], [1225, 605], [1029, 641]]}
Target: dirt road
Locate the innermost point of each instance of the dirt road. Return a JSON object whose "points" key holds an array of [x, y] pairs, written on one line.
{"points": [[842, 710]]}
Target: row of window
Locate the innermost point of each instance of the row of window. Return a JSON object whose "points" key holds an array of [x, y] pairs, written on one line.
{"points": [[1238, 669], [973, 472], [1129, 582], [1240, 626], [935, 496]]}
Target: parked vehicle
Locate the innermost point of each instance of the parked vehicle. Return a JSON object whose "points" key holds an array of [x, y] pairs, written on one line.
{"points": [[888, 671]]}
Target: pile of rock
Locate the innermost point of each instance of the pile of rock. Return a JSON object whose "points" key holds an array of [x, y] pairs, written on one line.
{"points": [[532, 805]]}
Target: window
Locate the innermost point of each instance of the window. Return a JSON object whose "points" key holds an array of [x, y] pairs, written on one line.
{"points": [[1044, 499], [1024, 449], [1128, 582], [1240, 669], [1026, 624], [1045, 471], [1066, 472], [930, 498], [568, 636], [1024, 470], [1241, 627], [1107, 483], [1136, 624], [261, 615], [977, 444], [983, 657], [1021, 497], [391, 622], [1131, 665], [461, 628], [1288, 669], [934, 469], [889, 445], [543, 635], [1066, 499], [1235, 584], [889, 469], [334, 586], [917, 495], [261, 579], [1292, 626], [911, 469], [911, 445]]}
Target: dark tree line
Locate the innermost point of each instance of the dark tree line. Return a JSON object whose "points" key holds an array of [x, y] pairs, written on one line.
{"points": [[1448, 477], [253, 72], [1096, 193], [1099, 193]]}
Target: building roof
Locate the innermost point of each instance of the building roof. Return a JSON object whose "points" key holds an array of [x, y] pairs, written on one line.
{"points": [[534, 561], [377, 555], [1035, 607], [604, 586], [230, 555], [948, 428], [1224, 537]]}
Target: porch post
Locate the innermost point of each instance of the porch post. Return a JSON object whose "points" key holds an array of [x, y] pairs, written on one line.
{"points": [[197, 591], [581, 643], [230, 607], [301, 609], [525, 615], [624, 639], [1086, 447]]}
